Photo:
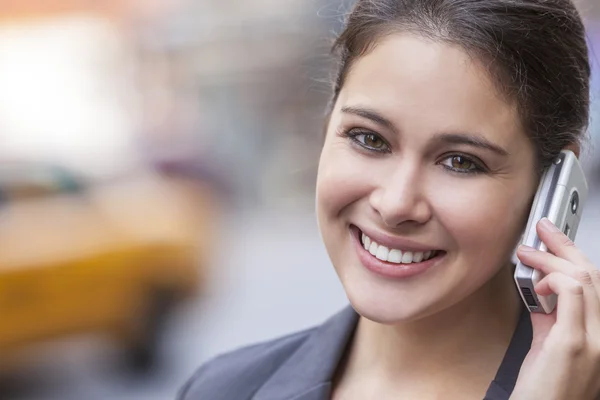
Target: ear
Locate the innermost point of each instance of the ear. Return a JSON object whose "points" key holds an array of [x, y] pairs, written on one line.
{"points": [[575, 148]]}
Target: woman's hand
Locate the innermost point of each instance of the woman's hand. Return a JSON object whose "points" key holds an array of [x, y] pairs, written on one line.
{"points": [[564, 360]]}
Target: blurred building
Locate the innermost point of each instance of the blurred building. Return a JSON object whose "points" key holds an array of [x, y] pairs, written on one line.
{"points": [[65, 84], [255, 72]]}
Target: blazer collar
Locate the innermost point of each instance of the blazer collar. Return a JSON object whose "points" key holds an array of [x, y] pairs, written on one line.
{"points": [[307, 374]]}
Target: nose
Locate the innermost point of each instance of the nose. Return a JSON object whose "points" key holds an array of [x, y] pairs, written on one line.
{"points": [[399, 198]]}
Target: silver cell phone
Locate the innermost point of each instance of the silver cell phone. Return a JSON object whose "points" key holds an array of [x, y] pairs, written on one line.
{"points": [[560, 197]]}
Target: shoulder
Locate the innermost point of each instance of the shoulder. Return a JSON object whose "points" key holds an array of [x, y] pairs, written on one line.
{"points": [[243, 370]]}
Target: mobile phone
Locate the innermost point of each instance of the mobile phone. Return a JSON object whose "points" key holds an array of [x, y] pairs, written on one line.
{"points": [[560, 197]]}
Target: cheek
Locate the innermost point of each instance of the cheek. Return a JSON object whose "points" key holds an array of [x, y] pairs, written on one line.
{"points": [[342, 180], [485, 217]]}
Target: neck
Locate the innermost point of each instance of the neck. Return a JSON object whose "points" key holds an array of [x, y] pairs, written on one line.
{"points": [[465, 341]]}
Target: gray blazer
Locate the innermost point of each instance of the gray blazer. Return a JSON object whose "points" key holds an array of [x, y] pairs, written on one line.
{"points": [[301, 366]]}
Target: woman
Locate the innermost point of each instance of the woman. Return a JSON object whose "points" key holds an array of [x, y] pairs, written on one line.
{"points": [[444, 114]]}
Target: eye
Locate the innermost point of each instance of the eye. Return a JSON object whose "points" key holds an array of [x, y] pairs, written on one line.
{"points": [[461, 164], [369, 140], [372, 141]]}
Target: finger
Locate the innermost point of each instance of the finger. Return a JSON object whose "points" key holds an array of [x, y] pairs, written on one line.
{"points": [[547, 262], [570, 313], [588, 279], [591, 301], [591, 290], [591, 296], [559, 244], [595, 274]]}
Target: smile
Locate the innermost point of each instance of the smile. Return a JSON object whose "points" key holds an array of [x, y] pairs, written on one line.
{"points": [[395, 256], [397, 259]]}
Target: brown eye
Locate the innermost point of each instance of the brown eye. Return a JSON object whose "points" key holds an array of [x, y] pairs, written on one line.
{"points": [[462, 163], [374, 141], [369, 141]]}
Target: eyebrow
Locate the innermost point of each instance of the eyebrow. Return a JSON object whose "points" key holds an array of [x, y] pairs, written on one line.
{"points": [[471, 140], [370, 115], [468, 139]]}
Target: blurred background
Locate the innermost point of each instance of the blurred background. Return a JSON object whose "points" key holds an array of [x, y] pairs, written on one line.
{"points": [[157, 168]]}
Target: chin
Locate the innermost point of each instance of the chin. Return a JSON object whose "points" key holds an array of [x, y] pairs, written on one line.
{"points": [[389, 307], [388, 315]]}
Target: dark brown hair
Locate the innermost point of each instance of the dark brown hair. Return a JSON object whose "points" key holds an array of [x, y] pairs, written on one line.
{"points": [[535, 51]]}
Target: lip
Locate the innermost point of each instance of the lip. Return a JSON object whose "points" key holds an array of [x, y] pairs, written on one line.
{"points": [[393, 242], [392, 270]]}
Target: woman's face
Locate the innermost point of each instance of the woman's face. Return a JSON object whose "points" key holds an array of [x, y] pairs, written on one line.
{"points": [[426, 159]]}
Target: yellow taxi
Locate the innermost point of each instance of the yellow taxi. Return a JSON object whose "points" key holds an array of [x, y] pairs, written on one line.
{"points": [[113, 257]]}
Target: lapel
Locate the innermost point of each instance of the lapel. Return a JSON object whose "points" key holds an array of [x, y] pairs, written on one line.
{"points": [[308, 372]]}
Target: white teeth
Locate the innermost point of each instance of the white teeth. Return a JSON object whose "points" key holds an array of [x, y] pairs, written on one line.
{"points": [[393, 255], [366, 242], [373, 248], [382, 253], [418, 257]]}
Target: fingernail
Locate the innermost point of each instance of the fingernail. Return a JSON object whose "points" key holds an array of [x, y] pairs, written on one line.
{"points": [[549, 226], [526, 249]]}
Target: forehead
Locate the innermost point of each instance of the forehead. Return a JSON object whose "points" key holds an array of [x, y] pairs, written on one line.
{"points": [[428, 86]]}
